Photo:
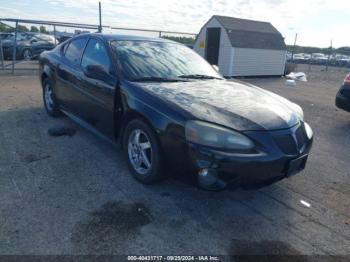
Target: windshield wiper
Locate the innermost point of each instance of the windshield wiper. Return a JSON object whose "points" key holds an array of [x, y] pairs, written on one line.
{"points": [[198, 76], [155, 79]]}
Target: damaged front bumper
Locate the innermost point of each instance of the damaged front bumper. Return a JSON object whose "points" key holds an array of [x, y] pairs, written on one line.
{"points": [[278, 154]]}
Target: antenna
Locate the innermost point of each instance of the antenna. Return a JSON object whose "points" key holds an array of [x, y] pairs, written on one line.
{"points": [[100, 17]]}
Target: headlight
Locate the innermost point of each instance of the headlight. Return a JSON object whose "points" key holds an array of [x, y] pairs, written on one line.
{"points": [[216, 136], [308, 130]]}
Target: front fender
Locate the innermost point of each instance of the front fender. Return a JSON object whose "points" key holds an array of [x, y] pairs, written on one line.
{"points": [[46, 71], [159, 121], [167, 124]]}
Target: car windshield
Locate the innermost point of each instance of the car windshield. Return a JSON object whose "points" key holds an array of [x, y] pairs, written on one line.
{"points": [[20, 37], [5, 36], [161, 61], [43, 37]]}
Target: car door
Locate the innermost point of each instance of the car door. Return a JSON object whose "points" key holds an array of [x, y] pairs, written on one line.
{"points": [[69, 74], [98, 86], [40, 44]]}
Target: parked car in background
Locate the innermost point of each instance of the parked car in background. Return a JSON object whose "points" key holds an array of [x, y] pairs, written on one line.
{"points": [[301, 58], [3, 36], [342, 60], [288, 56], [170, 110], [343, 96], [307, 58], [29, 45], [63, 38], [318, 59], [298, 58]]}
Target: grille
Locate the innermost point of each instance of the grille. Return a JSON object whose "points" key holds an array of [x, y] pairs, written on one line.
{"points": [[286, 143], [290, 143], [301, 136]]}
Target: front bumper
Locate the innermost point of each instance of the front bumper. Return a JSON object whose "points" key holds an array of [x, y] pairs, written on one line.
{"points": [[341, 101], [275, 157]]}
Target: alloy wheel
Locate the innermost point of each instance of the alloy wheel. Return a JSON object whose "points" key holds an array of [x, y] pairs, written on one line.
{"points": [[140, 151], [48, 97], [27, 55]]}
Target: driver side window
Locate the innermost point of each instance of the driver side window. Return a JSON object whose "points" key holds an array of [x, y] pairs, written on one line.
{"points": [[96, 55]]}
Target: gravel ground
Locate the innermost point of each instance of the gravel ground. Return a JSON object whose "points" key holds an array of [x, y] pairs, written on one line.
{"points": [[74, 195]]}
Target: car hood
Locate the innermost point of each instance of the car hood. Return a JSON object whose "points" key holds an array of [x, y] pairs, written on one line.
{"points": [[229, 103]]}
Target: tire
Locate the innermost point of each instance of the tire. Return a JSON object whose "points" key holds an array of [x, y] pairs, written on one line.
{"points": [[136, 149], [27, 54], [50, 102]]}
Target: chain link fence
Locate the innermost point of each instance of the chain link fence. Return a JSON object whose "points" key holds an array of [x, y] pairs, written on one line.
{"points": [[320, 59], [22, 41]]}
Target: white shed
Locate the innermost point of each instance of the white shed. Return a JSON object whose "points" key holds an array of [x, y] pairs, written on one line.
{"points": [[241, 47]]}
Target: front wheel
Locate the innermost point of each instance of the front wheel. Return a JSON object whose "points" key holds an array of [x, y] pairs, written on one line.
{"points": [[50, 102], [142, 151], [27, 54]]}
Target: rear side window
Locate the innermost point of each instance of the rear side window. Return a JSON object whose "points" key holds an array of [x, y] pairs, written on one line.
{"points": [[96, 55], [75, 49]]}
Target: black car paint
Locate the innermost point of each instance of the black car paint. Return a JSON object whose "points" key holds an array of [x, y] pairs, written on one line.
{"points": [[342, 99], [36, 47], [108, 105]]}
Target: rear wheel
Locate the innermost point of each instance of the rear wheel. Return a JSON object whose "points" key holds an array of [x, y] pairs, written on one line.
{"points": [[50, 102], [27, 54], [142, 152]]}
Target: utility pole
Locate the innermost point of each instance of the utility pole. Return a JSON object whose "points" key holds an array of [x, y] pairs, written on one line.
{"points": [[100, 18], [329, 54], [295, 42]]}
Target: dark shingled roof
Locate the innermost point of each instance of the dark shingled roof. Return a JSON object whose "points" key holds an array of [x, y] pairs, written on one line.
{"points": [[245, 33]]}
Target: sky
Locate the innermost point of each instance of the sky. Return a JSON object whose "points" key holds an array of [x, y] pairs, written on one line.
{"points": [[315, 21]]}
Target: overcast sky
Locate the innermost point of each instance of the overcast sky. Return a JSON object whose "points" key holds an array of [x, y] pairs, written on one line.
{"points": [[315, 21]]}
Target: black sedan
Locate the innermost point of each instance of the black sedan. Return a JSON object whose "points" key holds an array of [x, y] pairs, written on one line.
{"points": [[343, 96], [3, 36], [29, 45], [171, 111]]}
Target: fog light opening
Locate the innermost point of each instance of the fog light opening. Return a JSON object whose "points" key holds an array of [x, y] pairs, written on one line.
{"points": [[208, 179]]}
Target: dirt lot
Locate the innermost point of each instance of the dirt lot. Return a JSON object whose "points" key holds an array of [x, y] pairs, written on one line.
{"points": [[74, 195]]}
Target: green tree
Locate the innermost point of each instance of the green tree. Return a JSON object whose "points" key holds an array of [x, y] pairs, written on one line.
{"points": [[5, 28], [43, 29], [22, 28], [34, 29], [312, 49], [2, 27], [181, 39]]}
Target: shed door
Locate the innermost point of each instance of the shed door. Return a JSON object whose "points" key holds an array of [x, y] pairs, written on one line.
{"points": [[212, 45]]}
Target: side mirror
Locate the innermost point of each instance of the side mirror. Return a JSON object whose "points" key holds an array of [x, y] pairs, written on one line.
{"points": [[215, 67], [96, 72]]}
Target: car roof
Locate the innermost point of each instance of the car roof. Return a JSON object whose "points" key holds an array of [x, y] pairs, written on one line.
{"points": [[115, 37]]}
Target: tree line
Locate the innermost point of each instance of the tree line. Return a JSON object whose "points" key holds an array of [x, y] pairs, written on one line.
{"points": [[181, 39], [298, 49], [23, 28], [310, 49], [190, 40]]}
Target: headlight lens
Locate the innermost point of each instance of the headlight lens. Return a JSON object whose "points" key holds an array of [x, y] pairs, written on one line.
{"points": [[216, 136], [308, 130]]}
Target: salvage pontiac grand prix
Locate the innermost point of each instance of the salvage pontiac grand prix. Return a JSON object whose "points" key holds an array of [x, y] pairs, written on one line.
{"points": [[171, 110]]}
